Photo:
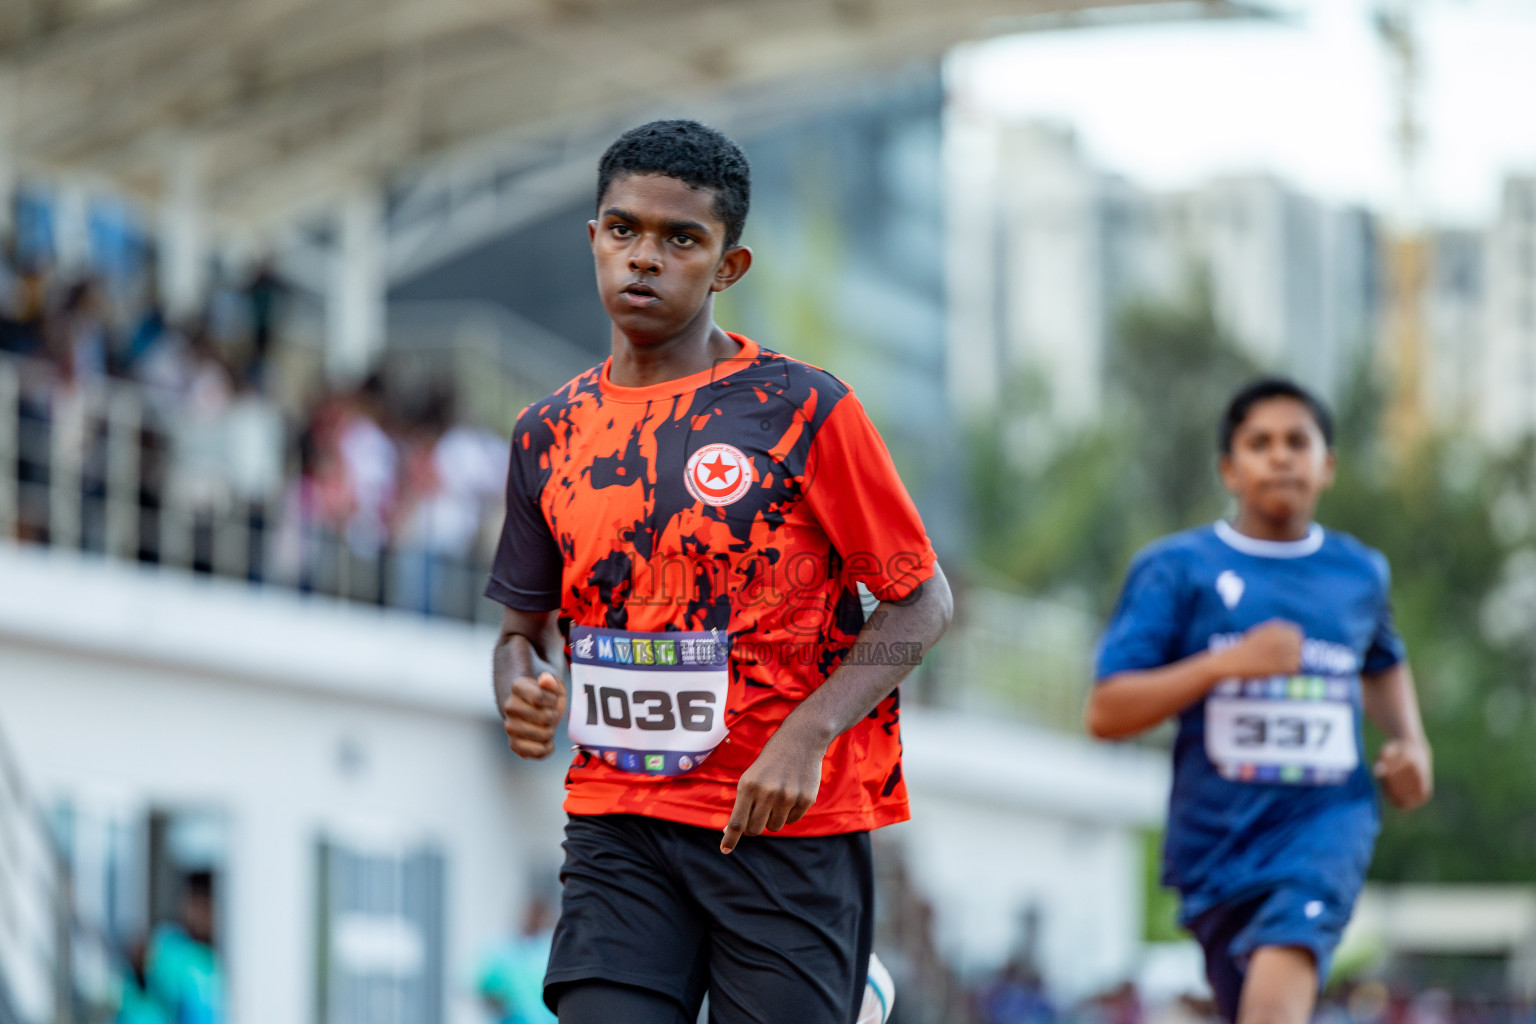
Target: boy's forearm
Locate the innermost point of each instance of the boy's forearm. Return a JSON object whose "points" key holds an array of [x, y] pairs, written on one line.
{"points": [[513, 657], [1392, 703], [1131, 702], [907, 631], [524, 648]]}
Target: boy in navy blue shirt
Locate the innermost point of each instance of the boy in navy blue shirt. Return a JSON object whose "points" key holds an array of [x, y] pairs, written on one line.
{"points": [[1268, 637]]}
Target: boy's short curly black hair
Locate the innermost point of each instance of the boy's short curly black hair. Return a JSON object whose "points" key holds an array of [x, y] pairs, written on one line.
{"points": [[1262, 390], [690, 152]]}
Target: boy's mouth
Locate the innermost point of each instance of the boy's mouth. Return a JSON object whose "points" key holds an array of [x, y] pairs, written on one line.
{"points": [[640, 294]]}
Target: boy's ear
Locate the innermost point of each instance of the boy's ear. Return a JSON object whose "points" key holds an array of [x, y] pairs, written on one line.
{"points": [[1330, 464], [1224, 470], [733, 266]]}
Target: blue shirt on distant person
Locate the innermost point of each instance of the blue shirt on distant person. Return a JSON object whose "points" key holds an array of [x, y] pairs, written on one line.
{"points": [[1271, 785]]}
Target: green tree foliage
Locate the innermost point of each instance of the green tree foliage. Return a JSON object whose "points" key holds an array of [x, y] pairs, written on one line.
{"points": [[1175, 358], [1431, 519], [1071, 521], [1067, 524]]}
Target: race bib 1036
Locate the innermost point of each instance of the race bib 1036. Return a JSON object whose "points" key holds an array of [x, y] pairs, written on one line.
{"points": [[1292, 729], [650, 703]]}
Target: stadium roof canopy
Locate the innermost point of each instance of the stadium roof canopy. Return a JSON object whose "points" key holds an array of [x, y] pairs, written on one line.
{"points": [[275, 102]]}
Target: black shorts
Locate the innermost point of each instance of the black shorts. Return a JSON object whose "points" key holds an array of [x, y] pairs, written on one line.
{"points": [[777, 930]]}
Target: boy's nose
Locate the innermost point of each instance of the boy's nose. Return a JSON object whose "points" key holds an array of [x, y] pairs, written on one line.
{"points": [[645, 259]]}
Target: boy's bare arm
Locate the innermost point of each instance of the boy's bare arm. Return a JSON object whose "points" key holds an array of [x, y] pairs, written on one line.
{"points": [[526, 670], [1405, 764], [782, 784], [1127, 703]]}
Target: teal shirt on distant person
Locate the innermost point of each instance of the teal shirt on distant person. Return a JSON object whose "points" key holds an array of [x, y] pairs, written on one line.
{"points": [[512, 977], [136, 1007], [185, 976]]}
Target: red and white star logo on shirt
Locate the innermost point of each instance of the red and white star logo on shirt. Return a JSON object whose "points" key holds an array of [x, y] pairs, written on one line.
{"points": [[718, 474]]}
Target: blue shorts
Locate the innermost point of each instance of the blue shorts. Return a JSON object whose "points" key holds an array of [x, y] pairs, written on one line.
{"points": [[1230, 933]]}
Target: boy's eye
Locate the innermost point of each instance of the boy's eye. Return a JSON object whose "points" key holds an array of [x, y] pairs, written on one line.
{"points": [[683, 240], [622, 230]]}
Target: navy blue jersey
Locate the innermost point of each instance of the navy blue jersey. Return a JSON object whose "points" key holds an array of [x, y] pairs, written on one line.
{"points": [[1270, 784]]}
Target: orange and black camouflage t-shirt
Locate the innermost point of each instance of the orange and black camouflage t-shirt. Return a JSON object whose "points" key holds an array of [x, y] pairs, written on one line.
{"points": [[745, 502]]}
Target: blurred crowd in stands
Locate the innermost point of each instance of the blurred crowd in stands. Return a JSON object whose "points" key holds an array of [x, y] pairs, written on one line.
{"points": [[930, 990], [377, 491], [508, 981], [1014, 997]]}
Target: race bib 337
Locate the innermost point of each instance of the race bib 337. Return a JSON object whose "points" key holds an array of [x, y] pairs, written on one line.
{"points": [[1290, 729]]}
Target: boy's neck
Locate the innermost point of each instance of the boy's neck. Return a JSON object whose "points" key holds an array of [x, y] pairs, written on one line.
{"points": [[694, 349], [1296, 527]]}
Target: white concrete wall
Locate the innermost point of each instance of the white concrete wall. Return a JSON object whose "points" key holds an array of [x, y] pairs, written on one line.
{"points": [[108, 684], [1008, 818]]}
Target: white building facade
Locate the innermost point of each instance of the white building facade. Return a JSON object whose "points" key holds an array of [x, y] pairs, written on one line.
{"points": [[1506, 384], [1047, 248]]}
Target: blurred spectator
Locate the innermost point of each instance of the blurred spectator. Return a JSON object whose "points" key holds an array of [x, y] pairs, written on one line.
{"points": [[318, 503], [199, 480], [150, 327], [1367, 1003], [23, 304], [253, 463], [1017, 996], [10, 300], [510, 980], [265, 293], [199, 485], [182, 969], [370, 460], [452, 480], [79, 333], [1119, 1005], [135, 1004], [928, 990], [1186, 1009], [1433, 1006]]}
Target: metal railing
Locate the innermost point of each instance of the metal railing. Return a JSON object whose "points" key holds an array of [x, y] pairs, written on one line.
{"points": [[29, 880], [54, 968], [69, 461]]}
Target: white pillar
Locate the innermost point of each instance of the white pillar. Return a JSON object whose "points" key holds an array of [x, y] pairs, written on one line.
{"points": [[10, 96], [976, 347], [182, 242], [72, 227], [355, 304]]}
